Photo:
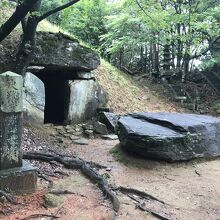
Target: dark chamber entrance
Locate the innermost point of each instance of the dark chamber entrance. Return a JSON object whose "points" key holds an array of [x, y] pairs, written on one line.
{"points": [[55, 104], [56, 97]]}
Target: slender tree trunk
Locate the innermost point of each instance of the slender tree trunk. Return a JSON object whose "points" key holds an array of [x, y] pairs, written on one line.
{"points": [[28, 42], [145, 59]]}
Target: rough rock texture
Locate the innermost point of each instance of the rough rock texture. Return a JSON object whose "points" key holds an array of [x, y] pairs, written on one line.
{"points": [[170, 136], [56, 50], [10, 120], [51, 200], [34, 99], [85, 97], [109, 119]]}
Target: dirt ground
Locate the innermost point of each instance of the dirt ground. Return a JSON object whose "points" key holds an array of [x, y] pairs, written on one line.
{"points": [[189, 190]]}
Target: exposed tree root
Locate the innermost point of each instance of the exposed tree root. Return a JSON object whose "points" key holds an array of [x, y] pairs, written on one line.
{"points": [[139, 204], [87, 168], [142, 194], [65, 192], [159, 216], [45, 177], [9, 197]]}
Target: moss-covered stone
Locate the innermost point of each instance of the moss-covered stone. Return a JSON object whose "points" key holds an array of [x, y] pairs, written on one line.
{"points": [[56, 50], [51, 200]]}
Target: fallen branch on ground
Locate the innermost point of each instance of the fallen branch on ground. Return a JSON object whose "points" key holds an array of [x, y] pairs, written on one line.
{"points": [[85, 167], [9, 197], [151, 212], [142, 194], [65, 192]]}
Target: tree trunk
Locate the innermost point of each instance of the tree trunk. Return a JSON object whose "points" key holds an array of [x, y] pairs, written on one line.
{"points": [[28, 42], [20, 12]]}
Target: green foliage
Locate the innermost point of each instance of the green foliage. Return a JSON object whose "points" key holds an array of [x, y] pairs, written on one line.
{"points": [[47, 5], [217, 108], [85, 20]]}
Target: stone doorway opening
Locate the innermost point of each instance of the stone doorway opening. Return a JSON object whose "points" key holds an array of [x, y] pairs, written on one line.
{"points": [[56, 96]]}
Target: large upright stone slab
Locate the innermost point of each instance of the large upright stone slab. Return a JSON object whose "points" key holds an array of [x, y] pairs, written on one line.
{"points": [[15, 175], [85, 97], [11, 86], [34, 99]]}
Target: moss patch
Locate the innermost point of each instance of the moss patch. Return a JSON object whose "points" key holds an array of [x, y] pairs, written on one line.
{"points": [[127, 159]]}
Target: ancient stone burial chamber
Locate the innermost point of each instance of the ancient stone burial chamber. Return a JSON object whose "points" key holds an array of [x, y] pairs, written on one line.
{"points": [[63, 88], [170, 136]]}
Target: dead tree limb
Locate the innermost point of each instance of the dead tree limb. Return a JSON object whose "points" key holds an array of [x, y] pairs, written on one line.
{"points": [[85, 167], [151, 212], [65, 192], [142, 194]]}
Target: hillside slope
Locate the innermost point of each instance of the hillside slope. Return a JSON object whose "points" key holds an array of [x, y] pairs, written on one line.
{"points": [[128, 95]]}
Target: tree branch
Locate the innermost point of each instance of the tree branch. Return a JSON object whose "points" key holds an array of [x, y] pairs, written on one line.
{"points": [[20, 12], [206, 50], [55, 10], [139, 5]]}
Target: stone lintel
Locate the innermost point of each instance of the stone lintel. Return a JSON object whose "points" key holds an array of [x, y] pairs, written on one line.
{"points": [[19, 180]]}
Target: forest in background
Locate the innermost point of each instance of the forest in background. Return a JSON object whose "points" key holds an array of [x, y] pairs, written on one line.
{"points": [[162, 37]]}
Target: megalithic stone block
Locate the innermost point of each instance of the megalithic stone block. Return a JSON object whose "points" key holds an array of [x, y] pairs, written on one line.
{"points": [[11, 87]]}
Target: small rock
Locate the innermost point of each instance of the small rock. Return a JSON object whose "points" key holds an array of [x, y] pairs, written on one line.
{"points": [[78, 133], [81, 141], [51, 200], [74, 137], [100, 128], [89, 133], [59, 127], [59, 140], [110, 137]]}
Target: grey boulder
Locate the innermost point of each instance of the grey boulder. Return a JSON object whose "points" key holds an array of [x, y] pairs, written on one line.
{"points": [[85, 97], [170, 136], [59, 51], [34, 99], [110, 120]]}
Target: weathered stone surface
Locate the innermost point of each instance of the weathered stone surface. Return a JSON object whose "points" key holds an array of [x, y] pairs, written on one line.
{"points": [[10, 140], [109, 119], [81, 141], [86, 75], [85, 97], [100, 128], [170, 136], [34, 99], [11, 88], [11, 92], [56, 50], [19, 180], [51, 200], [110, 137]]}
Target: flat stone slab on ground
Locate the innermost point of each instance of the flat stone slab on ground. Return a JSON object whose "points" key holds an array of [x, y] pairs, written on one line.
{"points": [[110, 137], [81, 141], [170, 136]]}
